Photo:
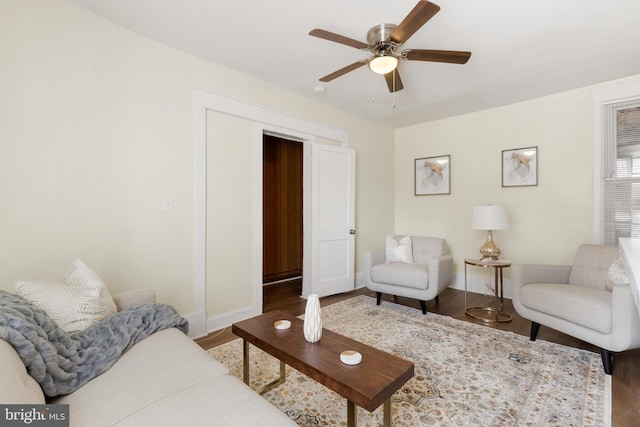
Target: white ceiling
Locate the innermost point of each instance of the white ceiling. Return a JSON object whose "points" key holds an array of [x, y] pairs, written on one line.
{"points": [[520, 49]]}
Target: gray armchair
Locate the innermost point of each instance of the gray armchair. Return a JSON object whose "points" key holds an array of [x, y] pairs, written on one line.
{"points": [[423, 280], [575, 300]]}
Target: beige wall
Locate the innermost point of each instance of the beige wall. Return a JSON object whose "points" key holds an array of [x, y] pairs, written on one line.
{"points": [[548, 221], [96, 126]]}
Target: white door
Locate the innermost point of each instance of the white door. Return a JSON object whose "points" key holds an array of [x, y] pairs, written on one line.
{"points": [[332, 219]]}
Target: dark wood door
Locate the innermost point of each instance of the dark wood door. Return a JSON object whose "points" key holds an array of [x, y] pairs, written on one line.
{"points": [[282, 209]]}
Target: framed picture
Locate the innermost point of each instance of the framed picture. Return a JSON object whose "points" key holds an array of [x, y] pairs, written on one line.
{"points": [[431, 175], [520, 167]]}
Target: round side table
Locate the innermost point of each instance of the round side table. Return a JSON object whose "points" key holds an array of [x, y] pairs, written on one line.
{"points": [[495, 314]]}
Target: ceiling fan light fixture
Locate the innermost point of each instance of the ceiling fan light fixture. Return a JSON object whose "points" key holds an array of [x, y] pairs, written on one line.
{"points": [[383, 64]]}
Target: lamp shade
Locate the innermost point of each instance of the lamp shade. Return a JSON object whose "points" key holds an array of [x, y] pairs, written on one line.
{"points": [[489, 217]]}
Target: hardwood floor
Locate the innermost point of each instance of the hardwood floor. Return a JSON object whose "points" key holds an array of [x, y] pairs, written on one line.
{"points": [[625, 407]]}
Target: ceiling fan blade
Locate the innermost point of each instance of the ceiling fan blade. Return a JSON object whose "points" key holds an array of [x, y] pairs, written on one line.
{"points": [[337, 38], [450, 56], [344, 70], [419, 15], [394, 82]]}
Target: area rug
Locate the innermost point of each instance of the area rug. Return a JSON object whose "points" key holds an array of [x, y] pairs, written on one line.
{"points": [[465, 374]]}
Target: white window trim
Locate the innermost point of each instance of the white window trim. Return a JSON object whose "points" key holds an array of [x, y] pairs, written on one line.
{"points": [[601, 98]]}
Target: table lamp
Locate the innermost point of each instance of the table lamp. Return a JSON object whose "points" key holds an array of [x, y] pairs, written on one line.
{"points": [[489, 218]]}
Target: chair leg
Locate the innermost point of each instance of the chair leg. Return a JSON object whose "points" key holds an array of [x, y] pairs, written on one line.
{"points": [[378, 297], [535, 327], [437, 299], [607, 360], [423, 306]]}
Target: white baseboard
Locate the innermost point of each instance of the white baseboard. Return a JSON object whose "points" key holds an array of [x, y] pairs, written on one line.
{"points": [[221, 321], [359, 280], [197, 324]]}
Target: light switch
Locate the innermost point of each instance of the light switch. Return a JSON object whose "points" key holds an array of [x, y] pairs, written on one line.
{"points": [[167, 204]]}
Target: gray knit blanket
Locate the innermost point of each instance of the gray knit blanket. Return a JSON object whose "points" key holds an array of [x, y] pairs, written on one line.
{"points": [[62, 363]]}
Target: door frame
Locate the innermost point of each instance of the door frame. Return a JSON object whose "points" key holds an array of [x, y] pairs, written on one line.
{"points": [[304, 182], [265, 119], [259, 129]]}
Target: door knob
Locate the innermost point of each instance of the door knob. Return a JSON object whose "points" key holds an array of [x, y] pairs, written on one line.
{"points": [[352, 231]]}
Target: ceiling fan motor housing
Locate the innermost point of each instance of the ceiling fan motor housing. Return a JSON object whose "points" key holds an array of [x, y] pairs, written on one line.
{"points": [[378, 39]]}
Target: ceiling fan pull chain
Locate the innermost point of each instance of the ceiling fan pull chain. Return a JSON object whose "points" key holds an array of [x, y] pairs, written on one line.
{"points": [[373, 87], [394, 89]]}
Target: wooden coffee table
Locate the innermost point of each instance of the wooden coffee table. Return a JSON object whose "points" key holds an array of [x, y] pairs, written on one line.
{"points": [[368, 384]]}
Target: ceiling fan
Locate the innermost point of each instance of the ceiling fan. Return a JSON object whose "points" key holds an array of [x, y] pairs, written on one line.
{"points": [[384, 40]]}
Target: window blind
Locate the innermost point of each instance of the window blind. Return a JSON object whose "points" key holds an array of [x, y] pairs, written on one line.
{"points": [[621, 192]]}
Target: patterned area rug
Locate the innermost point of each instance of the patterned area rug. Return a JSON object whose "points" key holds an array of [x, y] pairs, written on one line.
{"points": [[465, 374]]}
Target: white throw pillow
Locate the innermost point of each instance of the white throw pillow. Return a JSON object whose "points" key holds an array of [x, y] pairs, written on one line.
{"points": [[616, 275], [399, 251], [81, 300]]}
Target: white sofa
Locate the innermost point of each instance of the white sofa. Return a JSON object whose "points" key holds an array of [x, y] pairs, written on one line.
{"points": [[164, 380]]}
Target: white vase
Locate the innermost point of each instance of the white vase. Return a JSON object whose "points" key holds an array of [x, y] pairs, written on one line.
{"points": [[312, 319]]}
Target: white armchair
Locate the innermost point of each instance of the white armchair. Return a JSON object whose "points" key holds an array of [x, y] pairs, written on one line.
{"points": [[575, 300], [424, 279]]}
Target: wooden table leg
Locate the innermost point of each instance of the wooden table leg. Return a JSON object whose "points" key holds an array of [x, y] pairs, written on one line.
{"points": [[245, 361], [386, 415], [352, 414]]}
